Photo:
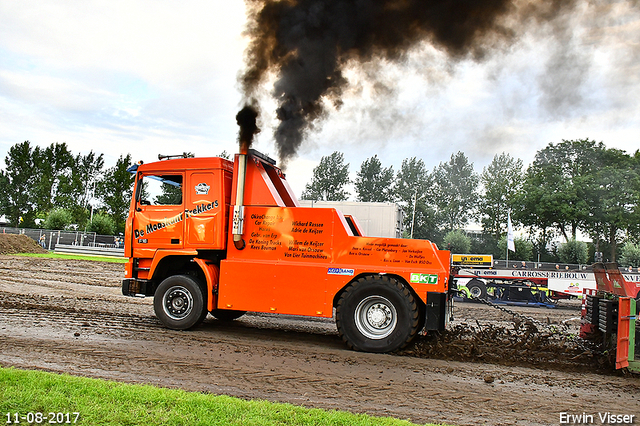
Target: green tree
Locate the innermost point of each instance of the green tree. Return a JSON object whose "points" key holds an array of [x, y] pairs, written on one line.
{"points": [[329, 180], [455, 191], [630, 254], [613, 197], [524, 249], [412, 190], [58, 218], [543, 245], [17, 185], [373, 182], [501, 181], [484, 243], [51, 166], [40, 179], [5, 187], [573, 252], [457, 241], [102, 224], [115, 190], [580, 184], [77, 189], [556, 190], [171, 195]]}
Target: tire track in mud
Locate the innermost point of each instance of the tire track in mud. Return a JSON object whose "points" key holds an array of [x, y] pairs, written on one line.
{"points": [[91, 330], [19, 268], [494, 342]]}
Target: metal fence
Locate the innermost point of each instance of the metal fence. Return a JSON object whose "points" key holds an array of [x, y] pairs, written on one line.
{"points": [[77, 239]]}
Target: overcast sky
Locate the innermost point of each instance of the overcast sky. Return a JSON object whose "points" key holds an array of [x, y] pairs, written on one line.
{"points": [[150, 77]]}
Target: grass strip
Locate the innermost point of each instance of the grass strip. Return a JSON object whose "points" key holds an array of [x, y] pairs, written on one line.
{"points": [[101, 402], [76, 257]]}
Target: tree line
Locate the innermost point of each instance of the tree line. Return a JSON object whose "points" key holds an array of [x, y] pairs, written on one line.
{"points": [[54, 187], [572, 186]]}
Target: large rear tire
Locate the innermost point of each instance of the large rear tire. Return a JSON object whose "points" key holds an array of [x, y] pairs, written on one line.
{"points": [[377, 314], [180, 302]]}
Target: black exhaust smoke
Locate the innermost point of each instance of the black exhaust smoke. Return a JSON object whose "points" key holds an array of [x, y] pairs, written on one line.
{"points": [[247, 120], [308, 43]]}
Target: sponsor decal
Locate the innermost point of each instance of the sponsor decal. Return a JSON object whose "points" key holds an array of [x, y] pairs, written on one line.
{"points": [[520, 273], [573, 288], [187, 213], [472, 259], [202, 188], [424, 278], [340, 271]]}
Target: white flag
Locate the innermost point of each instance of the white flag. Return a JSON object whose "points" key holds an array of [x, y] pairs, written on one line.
{"points": [[510, 244]]}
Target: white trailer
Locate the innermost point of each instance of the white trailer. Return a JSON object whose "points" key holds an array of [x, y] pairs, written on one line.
{"points": [[375, 219]]}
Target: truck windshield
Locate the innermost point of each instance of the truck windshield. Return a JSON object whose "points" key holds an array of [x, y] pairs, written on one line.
{"points": [[160, 190]]}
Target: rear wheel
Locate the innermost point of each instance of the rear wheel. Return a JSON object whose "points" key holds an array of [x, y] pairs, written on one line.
{"points": [[377, 314], [477, 289], [227, 314], [180, 302]]}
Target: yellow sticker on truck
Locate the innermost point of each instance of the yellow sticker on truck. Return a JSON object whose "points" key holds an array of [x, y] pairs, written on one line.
{"points": [[472, 259]]}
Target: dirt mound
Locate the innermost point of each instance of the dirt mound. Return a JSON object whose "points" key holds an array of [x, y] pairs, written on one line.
{"points": [[12, 244]]}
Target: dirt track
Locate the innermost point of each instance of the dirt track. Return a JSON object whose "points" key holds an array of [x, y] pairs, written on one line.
{"points": [[69, 316]]}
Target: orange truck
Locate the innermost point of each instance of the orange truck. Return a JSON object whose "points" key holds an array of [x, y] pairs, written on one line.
{"points": [[207, 235]]}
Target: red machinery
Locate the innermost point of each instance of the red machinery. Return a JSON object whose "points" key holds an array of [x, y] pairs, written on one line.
{"points": [[610, 313]]}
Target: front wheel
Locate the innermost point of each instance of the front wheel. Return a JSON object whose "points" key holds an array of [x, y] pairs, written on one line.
{"points": [[180, 302], [377, 314]]}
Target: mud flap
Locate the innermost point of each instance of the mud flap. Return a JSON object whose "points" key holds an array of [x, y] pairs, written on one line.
{"points": [[136, 288], [436, 311]]}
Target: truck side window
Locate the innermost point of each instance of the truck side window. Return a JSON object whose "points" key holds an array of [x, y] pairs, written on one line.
{"points": [[161, 190]]}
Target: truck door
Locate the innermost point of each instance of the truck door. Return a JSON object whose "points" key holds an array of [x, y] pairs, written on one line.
{"points": [[158, 222], [205, 219]]}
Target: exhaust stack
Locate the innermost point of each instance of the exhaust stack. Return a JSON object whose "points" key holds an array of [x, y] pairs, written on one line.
{"points": [[247, 120], [238, 209]]}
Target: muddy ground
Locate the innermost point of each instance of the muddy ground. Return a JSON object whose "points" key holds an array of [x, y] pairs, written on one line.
{"points": [[69, 316]]}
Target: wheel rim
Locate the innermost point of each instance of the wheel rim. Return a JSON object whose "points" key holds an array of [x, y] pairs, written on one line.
{"points": [[475, 291], [177, 302], [376, 317]]}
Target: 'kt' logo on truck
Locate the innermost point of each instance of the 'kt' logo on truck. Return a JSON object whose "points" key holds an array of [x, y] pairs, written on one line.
{"points": [[424, 278]]}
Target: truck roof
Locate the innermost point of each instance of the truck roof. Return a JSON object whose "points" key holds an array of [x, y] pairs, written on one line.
{"points": [[198, 163]]}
